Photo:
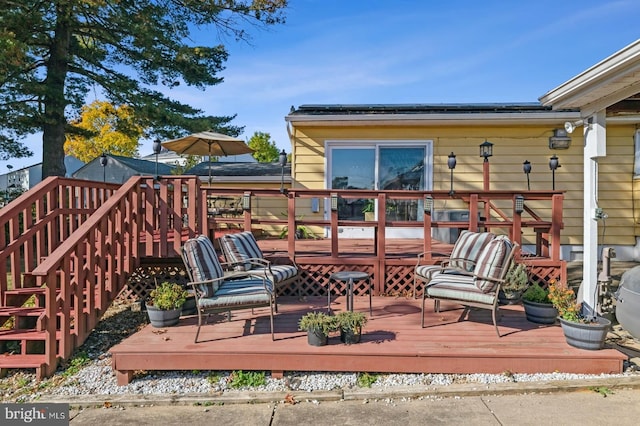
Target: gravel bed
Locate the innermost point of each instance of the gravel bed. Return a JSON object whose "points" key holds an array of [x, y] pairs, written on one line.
{"points": [[90, 373]]}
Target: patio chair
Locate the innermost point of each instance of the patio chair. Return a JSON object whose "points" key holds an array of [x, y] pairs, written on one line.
{"points": [[216, 292], [241, 253], [478, 289], [463, 257]]}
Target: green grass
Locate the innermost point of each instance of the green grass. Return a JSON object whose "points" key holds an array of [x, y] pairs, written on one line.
{"points": [[241, 379], [365, 380]]}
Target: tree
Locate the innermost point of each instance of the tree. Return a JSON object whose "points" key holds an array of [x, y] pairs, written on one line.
{"points": [[53, 53], [108, 128], [264, 149]]}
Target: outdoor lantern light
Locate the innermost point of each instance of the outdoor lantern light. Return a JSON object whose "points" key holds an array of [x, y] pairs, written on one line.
{"points": [[334, 201], [451, 163], [103, 163], [282, 159], [553, 165], [560, 139], [519, 205], [246, 201], [428, 204], [486, 150], [526, 167], [157, 147]]}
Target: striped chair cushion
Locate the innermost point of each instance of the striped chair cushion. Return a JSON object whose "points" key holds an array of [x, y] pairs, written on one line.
{"points": [[202, 262], [427, 271], [457, 287], [467, 248], [239, 247], [246, 291], [279, 273], [491, 263]]}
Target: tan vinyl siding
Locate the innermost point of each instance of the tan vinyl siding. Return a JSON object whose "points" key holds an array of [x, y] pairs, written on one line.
{"points": [[512, 146]]}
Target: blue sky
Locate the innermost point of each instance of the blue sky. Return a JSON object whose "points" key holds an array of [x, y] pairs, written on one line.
{"points": [[387, 52]]}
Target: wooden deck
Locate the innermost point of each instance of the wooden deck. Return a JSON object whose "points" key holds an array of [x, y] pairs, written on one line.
{"points": [[392, 341]]}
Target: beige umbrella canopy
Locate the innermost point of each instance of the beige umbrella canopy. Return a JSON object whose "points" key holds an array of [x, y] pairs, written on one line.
{"points": [[208, 143]]}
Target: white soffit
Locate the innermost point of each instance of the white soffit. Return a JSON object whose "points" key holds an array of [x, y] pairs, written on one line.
{"points": [[604, 84]]}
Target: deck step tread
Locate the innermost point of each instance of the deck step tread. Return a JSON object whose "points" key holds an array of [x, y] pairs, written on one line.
{"points": [[22, 360]]}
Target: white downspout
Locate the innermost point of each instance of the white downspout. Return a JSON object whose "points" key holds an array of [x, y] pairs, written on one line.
{"points": [[595, 142]]}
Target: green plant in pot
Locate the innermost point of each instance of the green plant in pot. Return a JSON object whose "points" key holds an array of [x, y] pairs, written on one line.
{"points": [[537, 306], [369, 210], [350, 325], [318, 326], [580, 330], [516, 281], [165, 304]]}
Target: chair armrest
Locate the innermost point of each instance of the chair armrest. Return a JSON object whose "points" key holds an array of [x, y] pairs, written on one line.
{"points": [[423, 255], [197, 285]]}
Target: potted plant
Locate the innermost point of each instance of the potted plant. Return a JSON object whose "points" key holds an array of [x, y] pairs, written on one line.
{"points": [[515, 283], [369, 210], [350, 324], [318, 325], [537, 306], [580, 331], [302, 232], [165, 304]]}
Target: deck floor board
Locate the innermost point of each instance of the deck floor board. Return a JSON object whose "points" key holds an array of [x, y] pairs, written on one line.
{"points": [[453, 341]]}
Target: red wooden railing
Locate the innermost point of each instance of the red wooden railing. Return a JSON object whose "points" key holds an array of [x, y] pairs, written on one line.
{"points": [[73, 244]]}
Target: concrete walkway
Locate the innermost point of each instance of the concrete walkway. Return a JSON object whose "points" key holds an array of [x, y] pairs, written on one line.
{"points": [[583, 408], [581, 402]]}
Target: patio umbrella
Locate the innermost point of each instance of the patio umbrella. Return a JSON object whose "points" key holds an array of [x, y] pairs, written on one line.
{"points": [[208, 143]]}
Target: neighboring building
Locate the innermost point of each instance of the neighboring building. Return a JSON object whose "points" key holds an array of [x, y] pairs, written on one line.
{"points": [[266, 175], [119, 169], [173, 159]]}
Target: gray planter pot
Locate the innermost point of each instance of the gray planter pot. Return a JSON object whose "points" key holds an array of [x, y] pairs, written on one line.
{"points": [[163, 318], [509, 297], [317, 338], [189, 307], [540, 313], [350, 337], [588, 336]]}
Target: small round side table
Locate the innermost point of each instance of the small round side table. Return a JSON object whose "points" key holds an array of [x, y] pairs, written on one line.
{"points": [[349, 277]]}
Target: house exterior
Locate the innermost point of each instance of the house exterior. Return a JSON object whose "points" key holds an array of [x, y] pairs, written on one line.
{"points": [[362, 146], [119, 169], [598, 167]]}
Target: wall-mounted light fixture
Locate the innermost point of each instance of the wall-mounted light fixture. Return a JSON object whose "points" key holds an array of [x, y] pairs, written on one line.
{"points": [[157, 147], [451, 163], [554, 163], [282, 160], [334, 201], [103, 163], [560, 139], [428, 204], [246, 201], [570, 126], [526, 168], [519, 204], [315, 205]]}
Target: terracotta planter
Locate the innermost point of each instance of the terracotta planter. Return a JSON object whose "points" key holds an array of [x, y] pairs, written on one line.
{"points": [[540, 313], [163, 318], [588, 336]]}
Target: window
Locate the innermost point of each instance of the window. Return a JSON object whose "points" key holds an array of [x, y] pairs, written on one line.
{"points": [[379, 165]]}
